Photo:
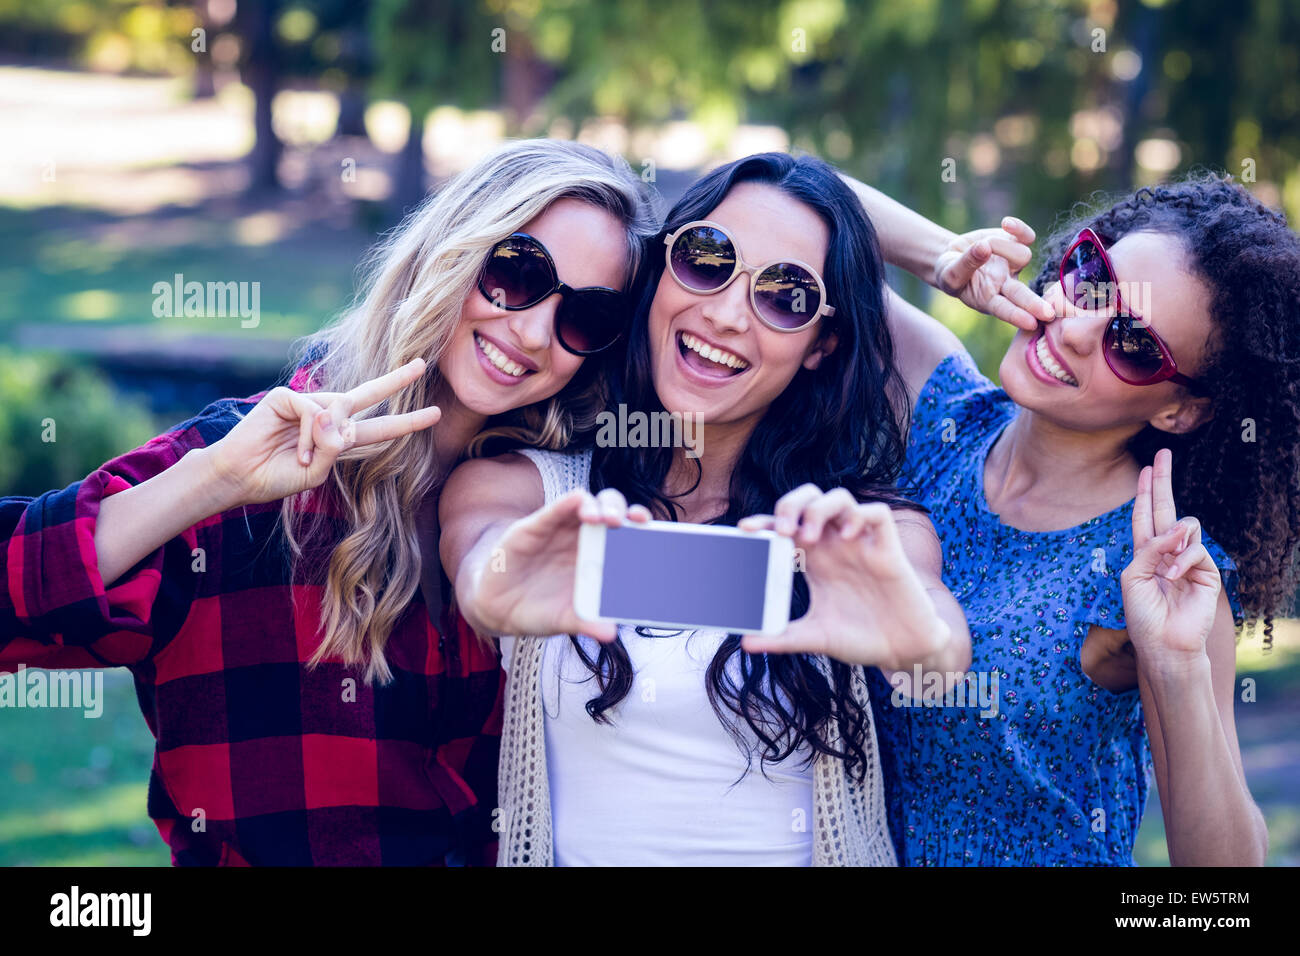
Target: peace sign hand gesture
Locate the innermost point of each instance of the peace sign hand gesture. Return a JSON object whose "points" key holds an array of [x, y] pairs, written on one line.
{"points": [[290, 440], [981, 267], [1171, 587]]}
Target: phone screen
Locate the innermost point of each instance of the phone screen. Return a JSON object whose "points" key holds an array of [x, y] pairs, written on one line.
{"points": [[678, 577]]}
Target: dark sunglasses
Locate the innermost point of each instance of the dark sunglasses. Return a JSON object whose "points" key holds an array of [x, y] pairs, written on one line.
{"points": [[520, 273], [1133, 351], [787, 296]]}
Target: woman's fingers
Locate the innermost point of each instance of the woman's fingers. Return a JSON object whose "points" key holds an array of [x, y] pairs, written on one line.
{"points": [[1187, 551], [639, 514], [387, 427], [832, 506], [958, 275], [1021, 296], [331, 429], [290, 405], [795, 639], [790, 507], [613, 506], [1016, 253], [1143, 522], [1163, 510], [757, 523], [377, 389], [1019, 229], [305, 444], [1000, 307]]}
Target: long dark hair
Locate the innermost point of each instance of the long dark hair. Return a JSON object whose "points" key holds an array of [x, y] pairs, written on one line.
{"points": [[833, 426], [1245, 492]]}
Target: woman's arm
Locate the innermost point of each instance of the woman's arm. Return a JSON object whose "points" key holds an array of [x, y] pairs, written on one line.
{"points": [[979, 268], [287, 444], [513, 561], [1181, 626]]}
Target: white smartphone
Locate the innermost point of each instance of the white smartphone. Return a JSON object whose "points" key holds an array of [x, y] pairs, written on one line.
{"points": [[667, 574]]}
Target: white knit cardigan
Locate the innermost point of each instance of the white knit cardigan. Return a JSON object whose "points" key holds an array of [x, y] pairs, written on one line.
{"points": [[849, 827]]}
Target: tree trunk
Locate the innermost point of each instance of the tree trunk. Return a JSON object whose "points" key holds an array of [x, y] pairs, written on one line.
{"points": [[260, 73], [352, 111], [409, 182]]}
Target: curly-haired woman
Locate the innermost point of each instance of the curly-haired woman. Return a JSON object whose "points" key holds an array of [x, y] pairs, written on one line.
{"points": [[1167, 320]]}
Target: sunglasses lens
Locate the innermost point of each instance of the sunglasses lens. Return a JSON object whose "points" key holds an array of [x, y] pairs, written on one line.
{"points": [[518, 273], [1132, 351], [703, 258], [1086, 279], [787, 295], [591, 320]]}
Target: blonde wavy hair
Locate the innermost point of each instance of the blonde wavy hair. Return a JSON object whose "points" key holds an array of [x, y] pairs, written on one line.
{"points": [[416, 283]]}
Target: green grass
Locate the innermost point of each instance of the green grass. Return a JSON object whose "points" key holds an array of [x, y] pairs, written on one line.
{"points": [[82, 267], [76, 786]]}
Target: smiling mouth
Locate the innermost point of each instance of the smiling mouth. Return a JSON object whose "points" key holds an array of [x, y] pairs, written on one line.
{"points": [[1049, 363], [708, 360], [499, 359]]}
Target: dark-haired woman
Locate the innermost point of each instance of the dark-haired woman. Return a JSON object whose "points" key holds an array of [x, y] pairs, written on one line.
{"points": [[1167, 320], [640, 746]]}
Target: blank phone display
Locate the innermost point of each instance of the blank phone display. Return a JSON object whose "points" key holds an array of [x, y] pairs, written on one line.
{"points": [[684, 578]]}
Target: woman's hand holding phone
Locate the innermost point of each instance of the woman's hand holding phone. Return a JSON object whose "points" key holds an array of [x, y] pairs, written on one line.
{"points": [[868, 605], [526, 584]]}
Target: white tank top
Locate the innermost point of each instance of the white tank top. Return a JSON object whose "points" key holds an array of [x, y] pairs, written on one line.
{"points": [[663, 783]]}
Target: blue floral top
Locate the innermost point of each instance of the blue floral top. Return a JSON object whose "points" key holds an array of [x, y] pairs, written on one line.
{"points": [[1029, 762]]}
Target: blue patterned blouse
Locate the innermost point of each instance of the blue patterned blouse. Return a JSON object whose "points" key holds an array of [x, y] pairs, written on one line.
{"points": [[1031, 763]]}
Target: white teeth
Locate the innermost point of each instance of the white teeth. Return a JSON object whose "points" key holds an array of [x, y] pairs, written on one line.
{"points": [[1048, 362], [498, 358], [713, 355]]}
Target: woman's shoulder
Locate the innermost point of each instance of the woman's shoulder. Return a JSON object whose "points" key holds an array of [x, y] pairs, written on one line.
{"points": [[955, 412], [956, 389], [560, 471]]}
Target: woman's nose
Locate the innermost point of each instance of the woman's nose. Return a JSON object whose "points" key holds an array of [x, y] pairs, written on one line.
{"points": [[1081, 329], [532, 326], [729, 310]]}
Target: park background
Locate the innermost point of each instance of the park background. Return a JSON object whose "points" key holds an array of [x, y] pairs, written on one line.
{"points": [[272, 142]]}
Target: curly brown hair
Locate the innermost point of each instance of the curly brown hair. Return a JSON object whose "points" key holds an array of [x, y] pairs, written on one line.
{"points": [[1239, 473]]}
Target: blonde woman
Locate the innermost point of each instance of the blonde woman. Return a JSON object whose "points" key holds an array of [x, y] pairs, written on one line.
{"points": [[258, 567]]}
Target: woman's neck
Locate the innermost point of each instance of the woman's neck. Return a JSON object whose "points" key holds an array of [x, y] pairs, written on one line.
{"points": [[453, 433], [719, 448], [1040, 476]]}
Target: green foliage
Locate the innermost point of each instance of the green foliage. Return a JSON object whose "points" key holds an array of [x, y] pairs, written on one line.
{"points": [[431, 52], [43, 398]]}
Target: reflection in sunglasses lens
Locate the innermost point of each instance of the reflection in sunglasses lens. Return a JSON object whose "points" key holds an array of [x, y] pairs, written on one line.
{"points": [[517, 273], [703, 258], [788, 295], [1132, 349]]}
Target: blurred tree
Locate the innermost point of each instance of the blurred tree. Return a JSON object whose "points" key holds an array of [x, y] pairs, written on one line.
{"points": [[59, 421], [427, 53], [260, 70]]}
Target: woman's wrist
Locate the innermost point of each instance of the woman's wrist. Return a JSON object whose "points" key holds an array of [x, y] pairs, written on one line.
{"points": [[908, 239], [217, 487], [1173, 672]]}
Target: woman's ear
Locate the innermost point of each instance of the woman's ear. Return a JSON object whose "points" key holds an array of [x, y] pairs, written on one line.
{"points": [[1185, 416], [824, 347]]}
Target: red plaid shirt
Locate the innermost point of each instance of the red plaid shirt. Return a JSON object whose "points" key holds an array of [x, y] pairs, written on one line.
{"points": [[289, 765]]}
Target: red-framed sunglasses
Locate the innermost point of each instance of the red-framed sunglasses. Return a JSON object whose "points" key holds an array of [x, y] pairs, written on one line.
{"points": [[1133, 351]]}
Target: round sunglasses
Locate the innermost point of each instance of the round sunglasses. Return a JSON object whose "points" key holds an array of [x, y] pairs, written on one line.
{"points": [[519, 273], [786, 295], [1133, 351]]}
